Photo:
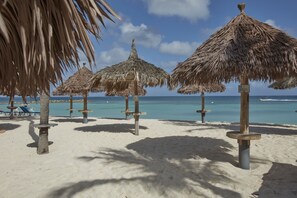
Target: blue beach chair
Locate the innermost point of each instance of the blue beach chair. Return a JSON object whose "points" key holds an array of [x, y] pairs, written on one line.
{"points": [[27, 111]]}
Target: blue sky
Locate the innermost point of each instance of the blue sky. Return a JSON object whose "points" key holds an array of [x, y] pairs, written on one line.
{"points": [[169, 31]]}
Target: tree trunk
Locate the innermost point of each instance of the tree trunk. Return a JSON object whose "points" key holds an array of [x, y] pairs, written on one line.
{"points": [[43, 131]]}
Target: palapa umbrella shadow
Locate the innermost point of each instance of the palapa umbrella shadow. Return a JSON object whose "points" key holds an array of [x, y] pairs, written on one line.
{"points": [[132, 71], [244, 49], [77, 84], [192, 89], [126, 93]]}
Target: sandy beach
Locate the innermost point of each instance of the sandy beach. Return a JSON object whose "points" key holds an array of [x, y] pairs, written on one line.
{"points": [[168, 159]]}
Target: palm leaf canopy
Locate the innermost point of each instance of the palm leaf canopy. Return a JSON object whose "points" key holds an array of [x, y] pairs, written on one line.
{"points": [[40, 40], [286, 83], [119, 76], [192, 89], [244, 46], [127, 92], [77, 84]]}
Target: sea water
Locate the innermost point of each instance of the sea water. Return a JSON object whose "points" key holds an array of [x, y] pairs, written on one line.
{"points": [[279, 110]]}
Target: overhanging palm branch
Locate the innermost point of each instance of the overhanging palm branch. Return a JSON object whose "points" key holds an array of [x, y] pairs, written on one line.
{"points": [[40, 40]]}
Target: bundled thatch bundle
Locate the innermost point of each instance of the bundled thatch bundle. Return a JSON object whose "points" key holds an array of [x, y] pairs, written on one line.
{"points": [[192, 89], [40, 40], [127, 92], [243, 46], [76, 84], [286, 83], [119, 76]]}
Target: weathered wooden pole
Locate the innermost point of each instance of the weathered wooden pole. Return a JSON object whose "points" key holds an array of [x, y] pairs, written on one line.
{"points": [[244, 145], [85, 109], [136, 101], [11, 108], [127, 106], [44, 124], [71, 105], [202, 107]]}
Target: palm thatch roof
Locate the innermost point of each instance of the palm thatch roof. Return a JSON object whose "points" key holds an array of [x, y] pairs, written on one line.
{"points": [[39, 40], [76, 84], [119, 76], [243, 46], [286, 83], [127, 92], [192, 89]]}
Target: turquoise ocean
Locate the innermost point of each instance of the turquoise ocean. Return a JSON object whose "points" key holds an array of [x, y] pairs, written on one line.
{"points": [[275, 109]]}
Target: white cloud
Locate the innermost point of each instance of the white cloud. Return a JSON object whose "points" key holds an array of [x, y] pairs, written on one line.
{"points": [[189, 9], [142, 34], [113, 56], [272, 23], [179, 48]]}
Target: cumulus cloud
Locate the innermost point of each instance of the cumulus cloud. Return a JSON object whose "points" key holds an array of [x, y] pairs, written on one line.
{"points": [[188, 9], [272, 23], [178, 48], [143, 35], [113, 56]]}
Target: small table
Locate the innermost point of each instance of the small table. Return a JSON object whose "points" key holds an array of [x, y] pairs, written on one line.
{"points": [[11, 116]]}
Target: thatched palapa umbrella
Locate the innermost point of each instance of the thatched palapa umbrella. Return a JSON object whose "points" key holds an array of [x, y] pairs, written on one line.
{"points": [[244, 49], [286, 83], [132, 71], [126, 93], [77, 84], [192, 89]]}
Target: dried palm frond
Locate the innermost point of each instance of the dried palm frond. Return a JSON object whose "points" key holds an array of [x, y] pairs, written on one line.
{"points": [[39, 40], [286, 83], [127, 92]]}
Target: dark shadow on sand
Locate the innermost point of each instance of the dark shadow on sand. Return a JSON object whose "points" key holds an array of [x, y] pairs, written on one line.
{"points": [[280, 181], [169, 163], [76, 120], [111, 128], [262, 128], [8, 126]]}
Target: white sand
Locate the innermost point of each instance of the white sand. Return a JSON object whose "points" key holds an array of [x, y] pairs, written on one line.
{"points": [[168, 159]]}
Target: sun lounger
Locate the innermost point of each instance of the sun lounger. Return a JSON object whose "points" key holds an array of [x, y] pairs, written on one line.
{"points": [[27, 111]]}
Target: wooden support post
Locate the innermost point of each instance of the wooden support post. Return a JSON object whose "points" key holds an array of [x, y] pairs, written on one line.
{"points": [[136, 101], [244, 145], [85, 109], [127, 106], [71, 106], [202, 107], [43, 131], [11, 108], [244, 105]]}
